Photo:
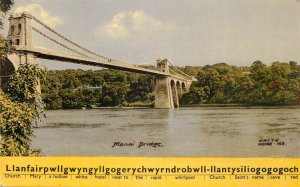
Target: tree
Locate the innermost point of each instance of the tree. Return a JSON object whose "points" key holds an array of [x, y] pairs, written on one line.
{"points": [[107, 101], [24, 84], [195, 96], [210, 81], [71, 99], [19, 110], [139, 89], [5, 6], [192, 71], [16, 129], [116, 91], [277, 84]]}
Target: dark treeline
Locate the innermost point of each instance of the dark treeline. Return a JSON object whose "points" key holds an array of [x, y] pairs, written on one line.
{"points": [[78, 88], [277, 84]]}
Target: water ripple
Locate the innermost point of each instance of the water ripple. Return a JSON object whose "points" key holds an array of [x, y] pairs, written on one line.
{"points": [[70, 125]]}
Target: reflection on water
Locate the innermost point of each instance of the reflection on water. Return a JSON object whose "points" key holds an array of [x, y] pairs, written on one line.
{"points": [[70, 125], [210, 131]]}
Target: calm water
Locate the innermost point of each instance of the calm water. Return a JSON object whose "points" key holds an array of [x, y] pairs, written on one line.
{"points": [[210, 131]]}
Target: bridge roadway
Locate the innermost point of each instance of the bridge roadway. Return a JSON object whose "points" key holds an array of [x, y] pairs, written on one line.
{"points": [[51, 55]]}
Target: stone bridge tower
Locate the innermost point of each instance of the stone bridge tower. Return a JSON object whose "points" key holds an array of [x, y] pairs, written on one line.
{"points": [[163, 92], [20, 38], [169, 88]]}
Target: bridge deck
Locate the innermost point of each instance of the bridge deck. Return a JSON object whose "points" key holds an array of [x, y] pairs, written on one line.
{"points": [[51, 55]]}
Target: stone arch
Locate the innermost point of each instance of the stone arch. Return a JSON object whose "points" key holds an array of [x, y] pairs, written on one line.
{"points": [[14, 59], [7, 68], [183, 87], [172, 83], [174, 94], [179, 89]]}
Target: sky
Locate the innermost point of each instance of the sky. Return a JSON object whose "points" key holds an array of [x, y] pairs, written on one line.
{"points": [[189, 33]]}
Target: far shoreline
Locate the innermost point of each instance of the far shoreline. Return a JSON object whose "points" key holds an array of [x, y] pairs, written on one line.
{"points": [[186, 106]]}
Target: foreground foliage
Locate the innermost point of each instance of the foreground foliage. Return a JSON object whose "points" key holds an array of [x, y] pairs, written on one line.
{"points": [[16, 130], [5, 6], [20, 109]]}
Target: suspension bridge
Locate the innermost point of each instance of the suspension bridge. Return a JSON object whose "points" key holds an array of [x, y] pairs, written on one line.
{"points": [[31, 39]]}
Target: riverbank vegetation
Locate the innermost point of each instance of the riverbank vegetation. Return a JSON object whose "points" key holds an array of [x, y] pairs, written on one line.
{"points": [[259, 84], [71, 89]]}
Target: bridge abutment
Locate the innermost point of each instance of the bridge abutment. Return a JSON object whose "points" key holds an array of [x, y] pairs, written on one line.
{"points": [[163, 93], [12, 63], [166, 91]]}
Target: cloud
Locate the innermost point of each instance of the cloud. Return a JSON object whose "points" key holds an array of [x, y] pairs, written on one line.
{"points": [[39, 12], [134, 24]]}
